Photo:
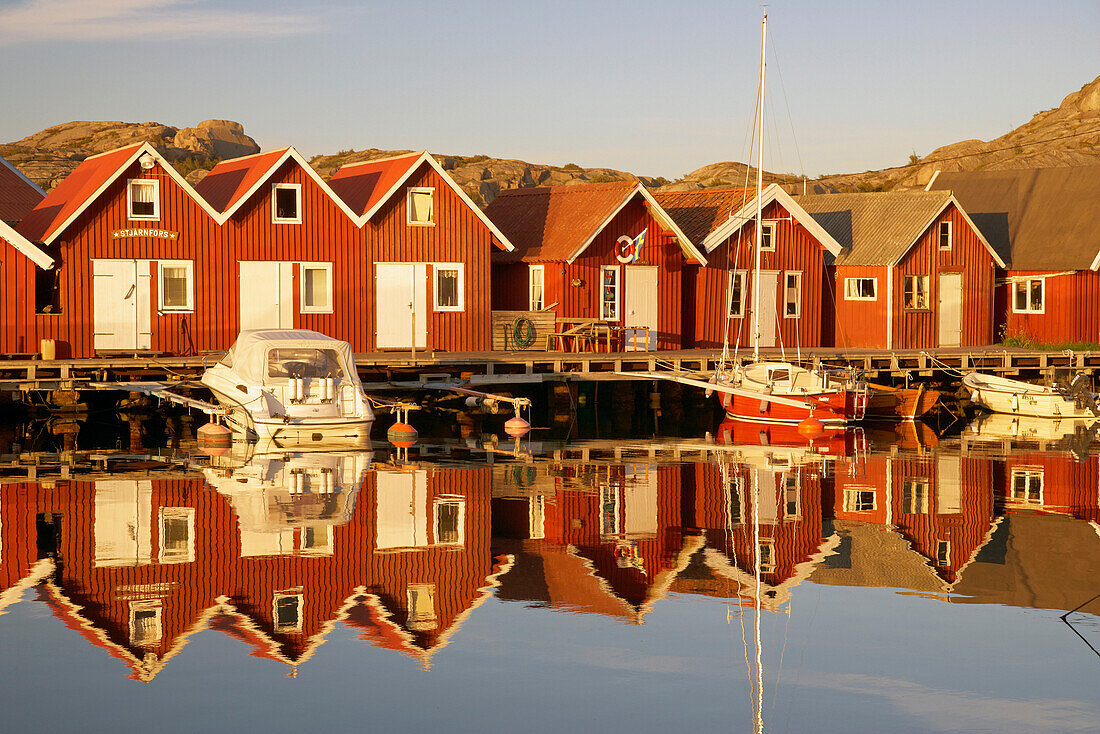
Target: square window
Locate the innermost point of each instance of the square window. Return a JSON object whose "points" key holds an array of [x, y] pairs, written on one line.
{"points": [[737, 293], [177, 534], [449, 286], [792, 308], [420, 209], [859, 500], [421, 601], [316, 287], [916, 292], [145, 626], [1028, 295], [143, 199], [1027, 486], [767, 236], [536, 275], [450, 516], [914, 496], [609, 293], [860, 289], [287, 611], [286, 203], [176, 285], [945, 235]]}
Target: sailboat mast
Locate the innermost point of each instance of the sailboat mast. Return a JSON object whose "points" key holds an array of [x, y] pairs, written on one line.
{"points": [[759, 189]]}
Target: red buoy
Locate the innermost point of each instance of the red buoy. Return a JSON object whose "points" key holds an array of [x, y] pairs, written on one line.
{"points": [[213, 439], [402, 435], [516, 427], [811, 428]]}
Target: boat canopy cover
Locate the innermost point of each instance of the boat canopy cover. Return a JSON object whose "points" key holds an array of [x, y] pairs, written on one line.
{"points": [[248, 357]]}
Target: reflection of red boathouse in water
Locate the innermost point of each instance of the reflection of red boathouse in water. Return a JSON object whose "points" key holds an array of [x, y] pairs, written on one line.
{"points": [[137, 566], [795, 534], [942, 505], [598, 538]]}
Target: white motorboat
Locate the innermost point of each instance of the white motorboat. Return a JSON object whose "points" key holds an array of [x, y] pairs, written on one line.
{"points": [[1074, 400], [294, 386]]}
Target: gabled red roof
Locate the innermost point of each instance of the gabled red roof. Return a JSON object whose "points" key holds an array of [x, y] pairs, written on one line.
{"points": [[228, 181], [18, 194], [701, 211], [551, 222], [363, 185], [69, 196]]}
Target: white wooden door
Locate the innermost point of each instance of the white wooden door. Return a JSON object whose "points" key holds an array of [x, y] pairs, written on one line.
{"points": [[123, 523], [120, 305], [769, 291], [640, 307], [402, 498], [400, 305], [267, 296], [950, 310]]}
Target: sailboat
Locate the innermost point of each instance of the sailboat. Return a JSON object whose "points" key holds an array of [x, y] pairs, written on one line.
{"points": [[781, 391]]}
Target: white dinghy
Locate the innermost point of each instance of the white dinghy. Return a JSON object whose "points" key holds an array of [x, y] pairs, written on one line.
{"points": [[294, 386], [1074, 400]]}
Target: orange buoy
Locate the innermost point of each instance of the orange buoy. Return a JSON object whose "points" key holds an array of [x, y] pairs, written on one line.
{"points": [[811, 428], [516, 427], [213, 439], [402, 435]]}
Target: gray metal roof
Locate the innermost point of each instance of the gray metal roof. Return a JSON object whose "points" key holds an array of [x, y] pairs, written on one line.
{"points": [[875, 228], [1037, 218]]}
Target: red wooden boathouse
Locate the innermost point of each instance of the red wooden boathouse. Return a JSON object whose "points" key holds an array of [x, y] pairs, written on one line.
{"points": [[128, 235], [605, 252], [292, 253], [914, 272], [1044, 220], [426, 245], [20, 261], [796, 302]]}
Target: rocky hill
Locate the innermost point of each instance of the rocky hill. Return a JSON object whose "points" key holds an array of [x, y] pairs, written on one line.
{"points": [[48, 156], [1067, 135]]}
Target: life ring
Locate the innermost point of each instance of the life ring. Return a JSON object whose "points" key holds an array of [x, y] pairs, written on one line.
{"points": [[523, 332]]}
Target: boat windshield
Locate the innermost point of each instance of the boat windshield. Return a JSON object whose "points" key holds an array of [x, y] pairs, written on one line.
{"points": [[307, 363]]}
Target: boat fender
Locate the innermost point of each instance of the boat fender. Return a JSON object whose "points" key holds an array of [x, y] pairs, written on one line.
{"points": [[1015, 403]]}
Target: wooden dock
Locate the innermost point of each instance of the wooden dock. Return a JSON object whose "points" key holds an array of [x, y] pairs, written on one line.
{"points": [[403, 370]]}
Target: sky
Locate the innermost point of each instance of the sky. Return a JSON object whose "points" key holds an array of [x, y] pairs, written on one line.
{"points": [[655, 88]]}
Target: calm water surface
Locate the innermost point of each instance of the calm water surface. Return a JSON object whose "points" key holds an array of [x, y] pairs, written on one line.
{"points": [[907, 583]]}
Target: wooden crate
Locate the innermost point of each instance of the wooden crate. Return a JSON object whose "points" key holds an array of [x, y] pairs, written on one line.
{"points": [[545, 323]]}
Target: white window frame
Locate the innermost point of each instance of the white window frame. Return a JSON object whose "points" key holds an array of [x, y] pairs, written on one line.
{"points": [[449, 500], [130, 183], [146, 605], [275, 189], [743, 276], [853, 497], [874, 287], [943, 553], [792, 495], [176, 513], [531, 302], [1026, 282], [461, 268], [927, 296], [280, 595], [419, 621], [797, 275], [945, 228], [409, 206], [190, 267], [770, 238], [618, 288], [1034, 475], [766, 555], [916, 501], [302, 306]]}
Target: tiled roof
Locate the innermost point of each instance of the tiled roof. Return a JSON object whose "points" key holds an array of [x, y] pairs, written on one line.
{"points": [[228, 181], [1036, 218], [701, 211], [550, 223], [72, 193], [363, 185], [18, 194], [875, 228]]}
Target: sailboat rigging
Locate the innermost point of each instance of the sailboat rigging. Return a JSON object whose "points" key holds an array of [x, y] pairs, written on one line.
{"points": [[779, 391]]}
